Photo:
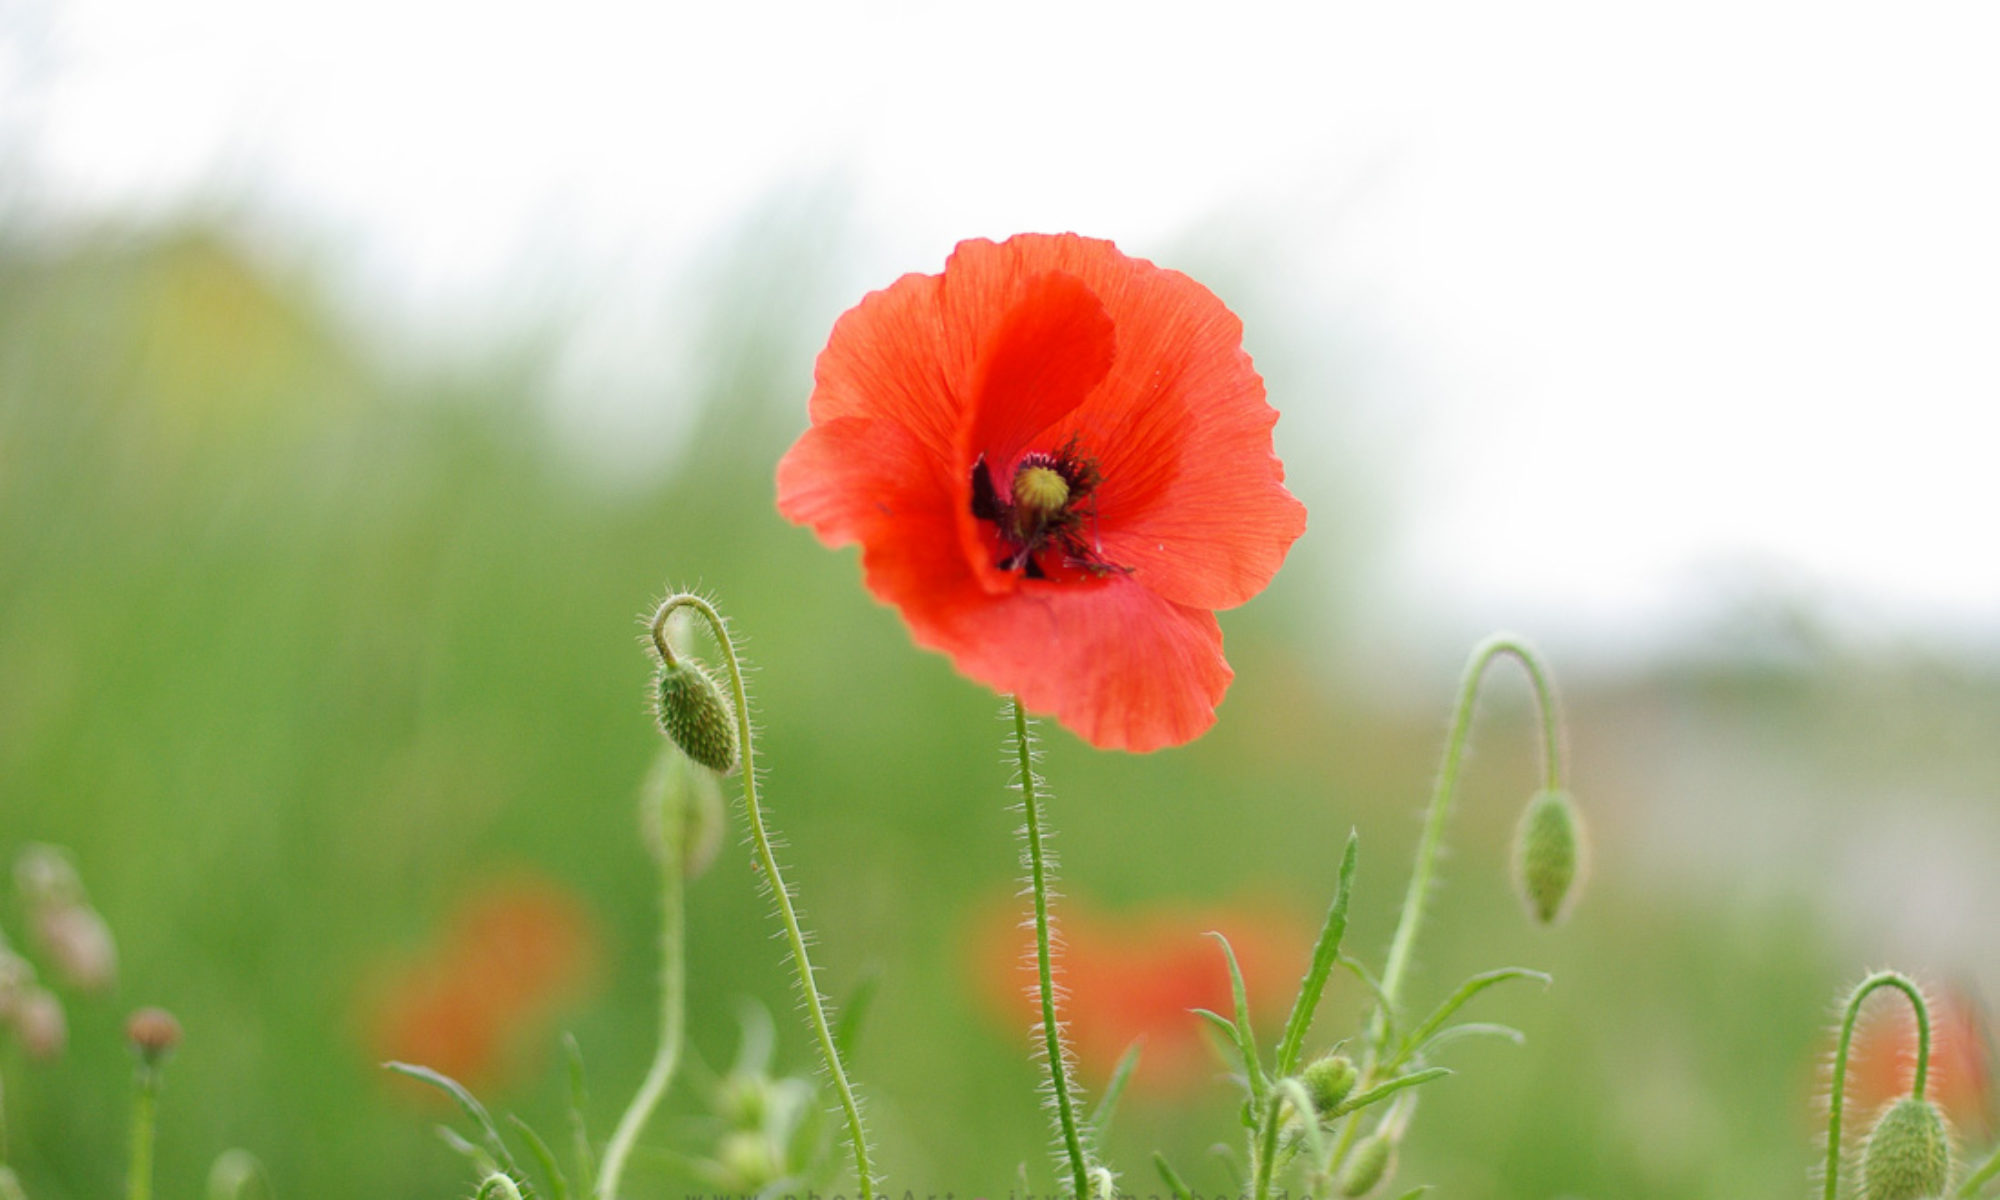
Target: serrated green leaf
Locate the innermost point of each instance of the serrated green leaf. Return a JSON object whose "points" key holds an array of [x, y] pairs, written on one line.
{"points": [[1374, 986], [1325, 951]]}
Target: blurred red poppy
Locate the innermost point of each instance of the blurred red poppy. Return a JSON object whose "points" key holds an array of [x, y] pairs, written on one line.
{"points": [[1883, 1061], [1137, 978], [1057, 461], [509, 957]]}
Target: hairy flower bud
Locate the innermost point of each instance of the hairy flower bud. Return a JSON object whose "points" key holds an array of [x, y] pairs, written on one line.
{"points": [[1328, 1081], [1547, 852], [1367, 1166], [1908, 1155], [697, 716]]}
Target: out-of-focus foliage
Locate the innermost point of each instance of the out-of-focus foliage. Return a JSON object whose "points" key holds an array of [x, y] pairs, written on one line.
{"points": [[301, 653]]}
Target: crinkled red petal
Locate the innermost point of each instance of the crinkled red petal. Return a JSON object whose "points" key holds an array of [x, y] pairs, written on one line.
{"points": [[1193, 499]]}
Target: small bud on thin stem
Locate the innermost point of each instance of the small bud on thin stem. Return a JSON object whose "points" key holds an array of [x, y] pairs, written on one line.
{"points": [[1411, 920], [1837, 1098], [153, 1033], [1548, 853]]}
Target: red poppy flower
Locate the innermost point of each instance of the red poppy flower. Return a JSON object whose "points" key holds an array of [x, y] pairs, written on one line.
{"points": [[1057, 461]]}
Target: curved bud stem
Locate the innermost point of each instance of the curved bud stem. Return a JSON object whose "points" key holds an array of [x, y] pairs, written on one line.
{"points": [[816, 1004], [1446, 790], [1836, 1099]]}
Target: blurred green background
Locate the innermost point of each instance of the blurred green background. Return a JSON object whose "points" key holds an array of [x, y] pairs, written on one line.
{"points": [[305, 647]]}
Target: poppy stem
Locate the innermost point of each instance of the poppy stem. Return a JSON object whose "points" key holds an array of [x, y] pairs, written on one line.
{"points": [[1061, 1086], [816, 1004], [673, 1000], [1836, 1099], [1412, 917], [145, 1103]]}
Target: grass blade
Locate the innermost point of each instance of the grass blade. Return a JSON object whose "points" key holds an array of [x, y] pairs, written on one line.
{"points": [[1168, 1176]]}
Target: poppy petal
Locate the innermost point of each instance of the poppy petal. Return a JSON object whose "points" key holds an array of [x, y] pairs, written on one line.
{"points": [[888, 359], [1116, 664], [1052, 347], [1192, 499]]}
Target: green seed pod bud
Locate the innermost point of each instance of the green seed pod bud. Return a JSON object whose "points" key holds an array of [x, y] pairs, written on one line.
{"points": [[1548, 848], [748, 1162], [1368, 1166], [696, 715], [1328, 1081], [1908, 1155], [153, 1034]]}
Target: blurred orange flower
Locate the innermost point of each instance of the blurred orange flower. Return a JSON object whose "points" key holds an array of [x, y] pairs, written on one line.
{"points": [[512, 954], [1057, 460], [1139, 977], [1883, 1061]]}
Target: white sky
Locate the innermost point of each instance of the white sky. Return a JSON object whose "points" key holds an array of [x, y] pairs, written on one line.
{"points": [[1641, 289]]}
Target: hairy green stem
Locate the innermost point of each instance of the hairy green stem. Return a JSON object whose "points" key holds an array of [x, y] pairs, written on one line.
{"points": [[145, 1102], [816, 1005], [1838, 1096], [1052, 1044], [673, 1003], [1446, 790]]}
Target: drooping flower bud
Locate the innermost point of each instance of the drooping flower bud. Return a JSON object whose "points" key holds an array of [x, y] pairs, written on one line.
{"points": [[697, 716], [153, 1033], [1908, 1155], [1328, 1081], [1366, 1167], [1548, 848]]}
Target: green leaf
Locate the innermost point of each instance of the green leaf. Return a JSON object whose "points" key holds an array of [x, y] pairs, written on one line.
{"points": [[1382, 1091], [1466, 991], [1100, 1117], [1246, 1041], [1325, 952], [853, 1013], [1169, 1177], [544, 1157], [1413, 1193], [586, 1159], [1466, 1029], [473, 1109]]}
